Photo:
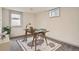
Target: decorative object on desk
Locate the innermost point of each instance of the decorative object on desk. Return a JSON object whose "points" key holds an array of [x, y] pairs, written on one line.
{"points": [[41, 45]]}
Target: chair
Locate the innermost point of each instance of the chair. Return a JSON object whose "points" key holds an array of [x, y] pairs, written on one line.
{"points": [[28, 32], [35, 37]]}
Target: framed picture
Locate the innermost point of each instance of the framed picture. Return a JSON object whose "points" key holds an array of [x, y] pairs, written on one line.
{"points": [[54, 12]]}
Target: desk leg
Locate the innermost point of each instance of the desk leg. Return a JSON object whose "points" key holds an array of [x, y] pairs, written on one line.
{"points": [[25, 37]]}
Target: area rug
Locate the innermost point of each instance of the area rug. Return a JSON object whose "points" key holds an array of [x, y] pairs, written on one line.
{"points": [[41, 45]]}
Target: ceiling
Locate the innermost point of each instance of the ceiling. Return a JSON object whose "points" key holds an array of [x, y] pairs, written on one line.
{"points": [[31, 9]]}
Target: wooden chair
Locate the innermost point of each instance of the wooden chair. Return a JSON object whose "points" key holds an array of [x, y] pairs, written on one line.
{"points": [[35, 38], [28, 32]]}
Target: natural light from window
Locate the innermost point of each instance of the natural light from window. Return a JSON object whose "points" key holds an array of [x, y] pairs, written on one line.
{"points": [[15, 20]]}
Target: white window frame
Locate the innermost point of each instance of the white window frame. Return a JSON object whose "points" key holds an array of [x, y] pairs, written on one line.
{"points": [[17, 13], [54, 12]]}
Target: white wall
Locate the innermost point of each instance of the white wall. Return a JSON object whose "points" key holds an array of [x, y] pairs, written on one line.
{"points": [[5, 20], [0, 20], [18, 31], [64, 28]]}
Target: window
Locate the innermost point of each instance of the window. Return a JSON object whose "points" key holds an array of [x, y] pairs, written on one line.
{"points": [[16, 18], [54, 12]]}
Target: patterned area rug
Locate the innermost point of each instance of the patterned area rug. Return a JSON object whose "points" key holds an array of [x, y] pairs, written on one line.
{"points": [[41, 45]]}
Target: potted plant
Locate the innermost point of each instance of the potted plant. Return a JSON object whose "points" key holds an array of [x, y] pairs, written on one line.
{"points": [[6, 31]]}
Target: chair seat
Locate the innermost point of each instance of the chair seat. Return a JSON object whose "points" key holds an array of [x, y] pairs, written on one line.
{"points": [[39, 42]]}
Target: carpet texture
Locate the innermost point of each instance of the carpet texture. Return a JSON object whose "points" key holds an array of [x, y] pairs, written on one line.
{"points": [[41, 45]]}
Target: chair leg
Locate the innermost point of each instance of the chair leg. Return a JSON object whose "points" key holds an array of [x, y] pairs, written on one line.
{"points": [[35, 44], [46, 41], [32, 42], [45, 38]]}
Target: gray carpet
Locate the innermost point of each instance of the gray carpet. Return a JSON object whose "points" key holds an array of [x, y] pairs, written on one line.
{"points": [[14, 45], [41, 45], [64, 47]]}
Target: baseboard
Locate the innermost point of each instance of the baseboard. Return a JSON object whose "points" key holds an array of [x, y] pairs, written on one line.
{"points": [[63, 42], [17, 36]]}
